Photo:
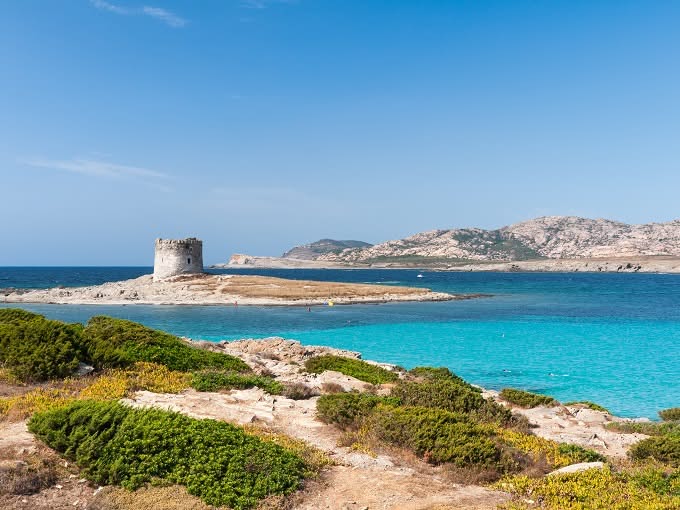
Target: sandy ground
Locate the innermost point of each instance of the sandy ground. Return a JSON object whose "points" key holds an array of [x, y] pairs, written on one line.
{"points": [[232, 290], [357, 480]]}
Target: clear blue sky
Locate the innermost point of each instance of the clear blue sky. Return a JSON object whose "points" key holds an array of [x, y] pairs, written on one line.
{"points": [[257, 125]]}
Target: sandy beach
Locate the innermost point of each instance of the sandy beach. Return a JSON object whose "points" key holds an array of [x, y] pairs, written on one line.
{"points": [[234, 290]]}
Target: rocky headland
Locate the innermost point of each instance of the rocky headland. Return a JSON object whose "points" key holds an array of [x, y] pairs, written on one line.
{"points": [[353, 479], [208, 289], [552, 243]]}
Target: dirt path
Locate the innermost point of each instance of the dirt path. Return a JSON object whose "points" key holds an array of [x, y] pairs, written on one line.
{"points": [[358, 481]]}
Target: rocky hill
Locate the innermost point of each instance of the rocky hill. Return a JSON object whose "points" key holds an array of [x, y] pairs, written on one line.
{"points": [[314, 250], [550, 237]]}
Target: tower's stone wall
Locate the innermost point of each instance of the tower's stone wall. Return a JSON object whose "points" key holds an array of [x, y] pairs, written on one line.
{"points": [[177, 256]]}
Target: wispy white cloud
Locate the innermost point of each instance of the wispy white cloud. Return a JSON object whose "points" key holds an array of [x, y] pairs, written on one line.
{"points": [[169, 18], [106, 6], [263, 4], [166, 17], [103, 169]]}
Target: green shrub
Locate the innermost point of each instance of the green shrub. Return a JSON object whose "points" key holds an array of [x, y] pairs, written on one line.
{"points": [[664, 449], [211, 380], [672, 414], [216, 461], [526, 399], [436, 435], [589, 405], [440, 373], [346, 410], [113, 343], [33, 348], [648, 428], [580, 454], [352, 367], [451, 395], [17, 316], [657, 480]]}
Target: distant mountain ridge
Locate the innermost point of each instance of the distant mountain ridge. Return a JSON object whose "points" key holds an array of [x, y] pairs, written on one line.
{"points": [[550, 237], [313, 251]]}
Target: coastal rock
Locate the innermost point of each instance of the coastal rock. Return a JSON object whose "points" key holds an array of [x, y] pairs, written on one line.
{"points": [[580, 426], [577, 468]]}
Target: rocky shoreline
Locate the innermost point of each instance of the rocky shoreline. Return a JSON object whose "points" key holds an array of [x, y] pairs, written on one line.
{"points": [[631, 264], [231, 290], [352, 479], [574, 424]]}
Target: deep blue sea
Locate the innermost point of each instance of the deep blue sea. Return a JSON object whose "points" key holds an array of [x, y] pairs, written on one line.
{"points": [[610, 338]]}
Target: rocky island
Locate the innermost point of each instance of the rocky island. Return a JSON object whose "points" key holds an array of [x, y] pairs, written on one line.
{"points": [[178, 279], [209, 289], [552, 243]]}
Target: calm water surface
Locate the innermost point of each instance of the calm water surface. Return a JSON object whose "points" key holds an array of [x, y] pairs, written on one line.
{"points": [[610, 338]]}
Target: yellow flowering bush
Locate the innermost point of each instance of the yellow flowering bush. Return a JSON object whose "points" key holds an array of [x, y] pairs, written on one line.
{"points": [[158, 378], [595, 489], [21, 407], [556, 454], [111, 385]]}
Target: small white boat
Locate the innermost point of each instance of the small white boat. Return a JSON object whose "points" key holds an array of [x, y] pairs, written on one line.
{"points": [[419, 276]]}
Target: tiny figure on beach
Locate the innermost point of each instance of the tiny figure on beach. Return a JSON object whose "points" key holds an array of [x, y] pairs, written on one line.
{"points": [[235, 303]]}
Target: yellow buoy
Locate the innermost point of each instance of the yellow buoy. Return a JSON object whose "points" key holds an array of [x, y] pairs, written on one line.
{"points": [[330, 303]]}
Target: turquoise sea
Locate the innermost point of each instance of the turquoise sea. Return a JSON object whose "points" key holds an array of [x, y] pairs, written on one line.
{"points": [[610, 338]]}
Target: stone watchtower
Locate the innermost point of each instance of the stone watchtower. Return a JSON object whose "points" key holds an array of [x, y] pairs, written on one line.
{"points": [[177, 256]]}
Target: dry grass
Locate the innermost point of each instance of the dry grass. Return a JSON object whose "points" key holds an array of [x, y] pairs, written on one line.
{"points": [[251, 286], [173, 497], [280, 288], [299, 391], [331, 388], [29, 472], [315, 459]]}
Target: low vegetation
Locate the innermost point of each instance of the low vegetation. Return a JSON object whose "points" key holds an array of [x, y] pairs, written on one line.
{"points": [[111, 343], [352, 367], [672, 414], [450, 393], [211, 380], [118, 445], [526, 399], [637, 489], [436, 435], [298, 391], [542, 451], [665, 449], [444, 420], [110, 385], [29, 475], [33, 348], [347, 410], [590, 405], [649, 428]]}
